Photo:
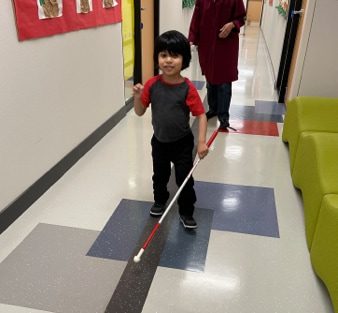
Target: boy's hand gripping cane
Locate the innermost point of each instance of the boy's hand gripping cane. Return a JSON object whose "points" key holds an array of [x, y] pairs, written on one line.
{"points": [[137, 258]]}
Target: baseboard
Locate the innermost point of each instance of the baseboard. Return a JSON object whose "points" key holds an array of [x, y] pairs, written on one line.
{"points": [[10, 213]]}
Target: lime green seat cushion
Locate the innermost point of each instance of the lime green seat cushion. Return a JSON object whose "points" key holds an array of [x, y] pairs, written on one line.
{"points": [[308, 114], [315, 173], [324, 250]]}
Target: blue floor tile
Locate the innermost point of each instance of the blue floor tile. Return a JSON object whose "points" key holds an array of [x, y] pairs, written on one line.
{"points": [[187, 249], [242, 112], [269, 107], [183, 249], [242, 209], [198, 84], [122, 232]]}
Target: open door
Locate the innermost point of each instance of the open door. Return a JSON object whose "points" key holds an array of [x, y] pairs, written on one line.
{"points": [[254, 12], [146, 30], [147, 38], [295, 9], [296, 51], [128, 46]]}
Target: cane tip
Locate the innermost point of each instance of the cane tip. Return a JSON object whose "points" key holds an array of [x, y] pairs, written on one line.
{"points": [[137, 259]]}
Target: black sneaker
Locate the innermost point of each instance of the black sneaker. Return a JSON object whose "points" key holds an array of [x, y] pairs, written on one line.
{"points": [[157, 209], [210, 114], [224, 126], [188, 222]]}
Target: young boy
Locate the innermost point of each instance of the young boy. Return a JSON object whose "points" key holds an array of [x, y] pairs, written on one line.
{"points": [[172, 98]]}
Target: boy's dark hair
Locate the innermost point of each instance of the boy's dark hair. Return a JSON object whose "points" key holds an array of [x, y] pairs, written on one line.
{"points": [[175, 43]]}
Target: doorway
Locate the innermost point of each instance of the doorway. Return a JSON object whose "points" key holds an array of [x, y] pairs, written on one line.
{"points": [[253, 12], [294, 12], [147, 38], [140, 26], [146, 14], [128, 44]]}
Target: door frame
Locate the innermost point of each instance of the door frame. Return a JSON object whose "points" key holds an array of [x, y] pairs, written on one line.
{"points": [[288, 48], [293, 90], [138, 37]]}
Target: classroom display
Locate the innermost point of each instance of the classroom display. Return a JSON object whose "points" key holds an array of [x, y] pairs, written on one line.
{"points": [[42, 18]]}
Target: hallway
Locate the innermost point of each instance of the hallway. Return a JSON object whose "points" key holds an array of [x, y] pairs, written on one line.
{"points": [[72, 250]]}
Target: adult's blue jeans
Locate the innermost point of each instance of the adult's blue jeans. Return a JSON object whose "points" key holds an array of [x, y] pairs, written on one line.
{"points": [[219, 98]]}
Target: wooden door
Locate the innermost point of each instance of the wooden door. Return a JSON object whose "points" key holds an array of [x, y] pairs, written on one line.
{"points": [[254, 11], [295, 7], [147, 39]]}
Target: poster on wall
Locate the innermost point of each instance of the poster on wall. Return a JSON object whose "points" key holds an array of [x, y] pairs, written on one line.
{"points": [[42, 18], [84, 6], [49, 8], [188, 3], [109, 3], [283, 7]]}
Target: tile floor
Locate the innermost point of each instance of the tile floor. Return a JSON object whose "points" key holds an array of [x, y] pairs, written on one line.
{"points": [[72, 251]]}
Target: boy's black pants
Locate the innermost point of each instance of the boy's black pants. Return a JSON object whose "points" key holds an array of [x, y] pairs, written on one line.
{"points": [[180, 154]]}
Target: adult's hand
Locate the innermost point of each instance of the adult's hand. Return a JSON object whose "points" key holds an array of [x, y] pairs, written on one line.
{"points": [[226, 30]]}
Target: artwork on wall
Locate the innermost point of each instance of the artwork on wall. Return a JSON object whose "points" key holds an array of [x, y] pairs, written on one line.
{"points": [[109, 3], [84, 6], [188, 3], [49, 8], [42, 18], [283, 7]]}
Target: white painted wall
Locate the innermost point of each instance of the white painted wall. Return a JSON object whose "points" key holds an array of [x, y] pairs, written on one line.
{"points": [[273, 28], [54, 92], [318, 61], [172, 16]]}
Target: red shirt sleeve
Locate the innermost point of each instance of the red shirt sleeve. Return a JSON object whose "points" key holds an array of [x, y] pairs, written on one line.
{"points": [[193, 100], [145, 97]]}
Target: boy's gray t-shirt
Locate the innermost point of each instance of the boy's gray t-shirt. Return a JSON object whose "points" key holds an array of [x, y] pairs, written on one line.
{"points": [[171, 105]]}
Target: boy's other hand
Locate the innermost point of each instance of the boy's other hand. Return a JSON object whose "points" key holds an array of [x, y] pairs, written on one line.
{"points": [[202, 150], [137, 90]]}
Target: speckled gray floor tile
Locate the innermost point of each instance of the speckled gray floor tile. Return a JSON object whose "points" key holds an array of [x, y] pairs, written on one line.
{"points": [[50, 271]]}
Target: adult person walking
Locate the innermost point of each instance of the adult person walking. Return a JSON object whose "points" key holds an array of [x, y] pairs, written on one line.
{"points": [[214, 29]]}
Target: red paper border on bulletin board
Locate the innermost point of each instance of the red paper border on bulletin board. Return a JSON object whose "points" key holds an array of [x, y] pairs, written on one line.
{"points": [[29, 25]]}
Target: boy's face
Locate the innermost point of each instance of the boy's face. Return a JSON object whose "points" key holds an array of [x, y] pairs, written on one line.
{"points": [[170, 64]]}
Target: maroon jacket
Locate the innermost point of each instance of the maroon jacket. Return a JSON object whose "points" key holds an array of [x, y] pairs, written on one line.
{"points": [[218, 57]]}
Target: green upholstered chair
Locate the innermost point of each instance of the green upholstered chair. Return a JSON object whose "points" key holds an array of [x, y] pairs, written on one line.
{"points": [[315, 172], [308, 114], [324, 250]]}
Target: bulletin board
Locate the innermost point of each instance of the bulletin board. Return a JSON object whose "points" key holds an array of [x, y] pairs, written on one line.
{"points": [[42, 18]]}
